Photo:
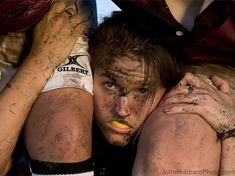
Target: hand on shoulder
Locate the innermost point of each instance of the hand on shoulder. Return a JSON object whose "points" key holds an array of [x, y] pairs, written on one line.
{"points": [[212, 99]]}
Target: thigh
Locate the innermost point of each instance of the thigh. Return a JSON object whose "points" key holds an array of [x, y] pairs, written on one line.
{"points": [[177, 144], [58, 128]]}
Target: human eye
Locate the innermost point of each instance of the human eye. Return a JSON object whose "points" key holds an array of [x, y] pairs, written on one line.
{"points": [[110, 85], [143, 91]]}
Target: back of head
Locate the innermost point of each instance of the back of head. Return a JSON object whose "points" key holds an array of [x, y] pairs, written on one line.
{"points": [[121, 35]]}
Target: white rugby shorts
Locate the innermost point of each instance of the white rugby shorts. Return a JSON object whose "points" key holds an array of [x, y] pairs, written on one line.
{"points": [[75, 71]]}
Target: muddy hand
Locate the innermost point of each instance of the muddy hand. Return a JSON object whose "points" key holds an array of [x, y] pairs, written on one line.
{"points": [[212, 99], [56, 34]]}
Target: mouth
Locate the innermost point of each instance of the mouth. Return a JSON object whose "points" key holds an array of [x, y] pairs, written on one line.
{"points": [[119, 127]]}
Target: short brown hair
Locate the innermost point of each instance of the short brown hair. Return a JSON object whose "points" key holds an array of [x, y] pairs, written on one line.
{"points": [[121, 35]]}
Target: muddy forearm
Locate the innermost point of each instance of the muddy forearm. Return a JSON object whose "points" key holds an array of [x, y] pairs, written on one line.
{"points": [[15, 102]]}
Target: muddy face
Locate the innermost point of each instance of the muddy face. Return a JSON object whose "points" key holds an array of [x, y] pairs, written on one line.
{"points": [[122, 103]]}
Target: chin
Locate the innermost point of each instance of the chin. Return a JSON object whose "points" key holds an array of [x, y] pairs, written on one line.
{"points": [[118, 141]]}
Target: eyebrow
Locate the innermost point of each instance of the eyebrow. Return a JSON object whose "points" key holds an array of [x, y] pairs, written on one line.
{"points": [[142, 83], [109, 75]]}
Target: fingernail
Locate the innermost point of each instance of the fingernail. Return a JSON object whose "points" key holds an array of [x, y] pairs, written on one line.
{"points": [[166, 110]]}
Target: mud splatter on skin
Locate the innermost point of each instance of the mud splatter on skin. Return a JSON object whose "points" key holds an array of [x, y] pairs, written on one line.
{"points": [[70, 147], [64, 143], [64, 146], [44, 124], [117, 79], [126, 74], [122, 93], [180, 128], [126, 140], [136, 103], [8, 144], [8, 85], [123, 77], [65, 140]]}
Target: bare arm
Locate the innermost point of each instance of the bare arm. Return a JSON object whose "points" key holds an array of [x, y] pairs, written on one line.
{"points": [[54, 37]]}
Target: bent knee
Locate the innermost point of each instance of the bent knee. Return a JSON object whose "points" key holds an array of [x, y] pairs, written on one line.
{"points": [[59, 127]]}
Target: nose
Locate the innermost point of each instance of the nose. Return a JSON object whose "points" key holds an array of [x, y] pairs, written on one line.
{"points": [[123, 106]]}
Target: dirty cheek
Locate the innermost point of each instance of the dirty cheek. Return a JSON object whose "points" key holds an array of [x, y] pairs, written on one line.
{"points": [[108, 101], [139, 113]]}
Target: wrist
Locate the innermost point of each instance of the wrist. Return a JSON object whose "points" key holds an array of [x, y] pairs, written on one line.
{"points": [[42, 63]]}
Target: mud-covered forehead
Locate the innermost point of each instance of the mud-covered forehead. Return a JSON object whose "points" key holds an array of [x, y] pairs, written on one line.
{"points": [[128, 71], [127, 75]]}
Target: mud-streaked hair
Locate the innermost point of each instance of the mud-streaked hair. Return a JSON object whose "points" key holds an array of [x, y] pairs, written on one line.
{"points": [[121, 35]]}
